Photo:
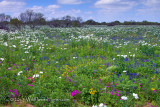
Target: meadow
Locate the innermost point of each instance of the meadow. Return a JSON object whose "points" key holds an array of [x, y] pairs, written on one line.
{"points": [[90, 66]]}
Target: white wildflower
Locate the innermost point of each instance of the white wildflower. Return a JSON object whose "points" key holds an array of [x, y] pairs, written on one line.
{"points": [[36, 75], [102, 105], [124, 56], [20, 72], [27, 42], [118, 55], [2, 59], [5, 44], [124, 98], [41, 72], [135, 96], [124, 71], [14, 46], [26, 52], [133, 55], [74, 57]]}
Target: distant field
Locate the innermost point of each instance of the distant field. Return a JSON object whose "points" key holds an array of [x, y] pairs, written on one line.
{"points": [[115, 66]]}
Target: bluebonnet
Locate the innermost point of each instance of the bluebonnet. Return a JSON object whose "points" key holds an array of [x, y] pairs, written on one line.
{"points": [[149, 80], [48, 63], [146, 76], [135, 87], [142, 65], [73, 101], [126, 92], [122, 93], [121, 80], [126, 59], [129, 77]]}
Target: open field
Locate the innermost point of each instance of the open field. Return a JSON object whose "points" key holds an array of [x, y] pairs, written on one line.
{"points": [[107, 66]]}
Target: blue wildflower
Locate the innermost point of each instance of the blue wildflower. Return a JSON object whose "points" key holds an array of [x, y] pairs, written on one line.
{"points": [[121, 80], [129, 77], [135, 87]]}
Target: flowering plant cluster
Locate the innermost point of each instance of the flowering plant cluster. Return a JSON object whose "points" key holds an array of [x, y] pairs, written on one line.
{"points": [[14, 93], [75, 92]]}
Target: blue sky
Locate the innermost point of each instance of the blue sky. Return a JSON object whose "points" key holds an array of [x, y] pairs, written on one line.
{"points": [[98, 10]]}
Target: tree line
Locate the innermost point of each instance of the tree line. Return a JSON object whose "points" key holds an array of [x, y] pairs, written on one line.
{"points": [[35, 19]]}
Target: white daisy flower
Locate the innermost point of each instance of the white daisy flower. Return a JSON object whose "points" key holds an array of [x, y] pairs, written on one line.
{"points": [[124, 98], [5, 44], [135, 96], [124, 71], [20, 72], [36, 75], [74, 57], [2, 59], [26, 52], [102, 105]]}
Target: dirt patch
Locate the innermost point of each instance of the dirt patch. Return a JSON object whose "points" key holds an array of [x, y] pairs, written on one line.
{"points": [[19, 104]]}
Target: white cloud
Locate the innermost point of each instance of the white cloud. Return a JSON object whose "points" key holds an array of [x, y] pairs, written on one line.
{"points": [[88, 12], [114, 6], [48, 11], [149, 8], [49, 8], [11, 6], [69, 1], [102, 2], [52, 11], [151, 3], [72, 12], [52, 7]]}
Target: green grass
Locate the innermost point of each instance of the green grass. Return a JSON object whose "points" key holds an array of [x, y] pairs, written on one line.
{"points": [[82, 59]]}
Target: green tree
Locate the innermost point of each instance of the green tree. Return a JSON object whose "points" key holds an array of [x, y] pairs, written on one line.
{"points": [[17, 23]]}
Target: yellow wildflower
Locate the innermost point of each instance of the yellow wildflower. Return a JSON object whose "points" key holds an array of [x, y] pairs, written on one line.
{"points": [[152, 89], [91, 91]]}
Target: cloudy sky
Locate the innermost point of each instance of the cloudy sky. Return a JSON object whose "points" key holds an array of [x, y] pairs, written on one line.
{"points": [[98, 10]]}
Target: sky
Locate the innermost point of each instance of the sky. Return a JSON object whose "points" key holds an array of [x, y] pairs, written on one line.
{"points": [[98, 10]]}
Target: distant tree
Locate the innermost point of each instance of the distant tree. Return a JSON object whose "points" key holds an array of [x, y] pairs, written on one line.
{"points": [[4, 18], [126, 23], [67, 21], [91, 22], [32, 19], [117, 22], [77, 22], [17, 23], [4, 21], [27, 16], [54, 22], [114, 23], [103, 23]]}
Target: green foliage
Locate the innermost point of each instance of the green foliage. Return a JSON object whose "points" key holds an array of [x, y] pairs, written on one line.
{"points": [[48, 64]]}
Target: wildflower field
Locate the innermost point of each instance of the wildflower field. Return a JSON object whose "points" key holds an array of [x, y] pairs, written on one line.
{"points": [[75, 67]]}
